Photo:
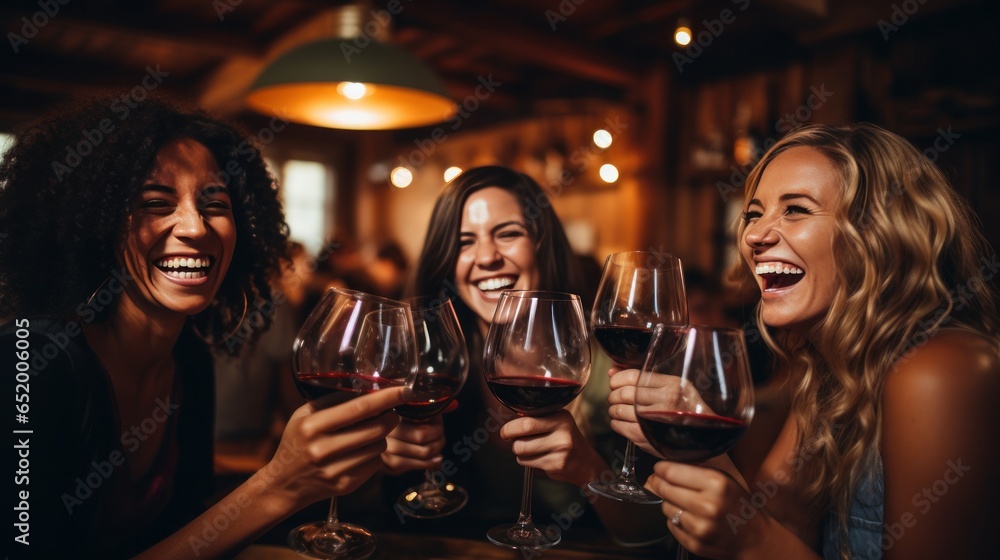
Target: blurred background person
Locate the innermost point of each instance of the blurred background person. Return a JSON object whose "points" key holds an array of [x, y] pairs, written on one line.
{"points": [[254, 391]]}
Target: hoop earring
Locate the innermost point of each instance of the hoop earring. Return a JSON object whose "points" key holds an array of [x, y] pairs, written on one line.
{"points": [[93, 294], [246, 307]]}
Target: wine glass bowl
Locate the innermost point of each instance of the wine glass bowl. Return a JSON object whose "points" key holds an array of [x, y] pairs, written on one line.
{"points": [[443, 365], [694, 398], [339, 331], [351, 343], [638, 290], [536, 360]]}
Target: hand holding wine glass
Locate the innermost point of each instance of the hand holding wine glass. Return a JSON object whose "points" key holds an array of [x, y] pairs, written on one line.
{"points": [[443, 365], [536, 361], [694, 400], [638, 290], [351, 344]]}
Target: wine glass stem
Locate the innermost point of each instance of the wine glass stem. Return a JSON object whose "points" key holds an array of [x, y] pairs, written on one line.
{"points": [[628, 464], [332, 523], [524, 518]]}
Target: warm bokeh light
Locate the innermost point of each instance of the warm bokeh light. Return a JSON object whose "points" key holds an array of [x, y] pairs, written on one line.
{"points": [[383, 107], [609, 173], [602, 138], [451, 173], [401, 177], [378, 172], [683, 35], [352, 90]]}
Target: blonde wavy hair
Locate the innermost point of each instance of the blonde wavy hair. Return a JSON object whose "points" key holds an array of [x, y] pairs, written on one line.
{"points": [[909, 253]]}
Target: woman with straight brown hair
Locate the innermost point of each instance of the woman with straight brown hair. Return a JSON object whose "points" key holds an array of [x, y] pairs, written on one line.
{"points": [[494, 229]]}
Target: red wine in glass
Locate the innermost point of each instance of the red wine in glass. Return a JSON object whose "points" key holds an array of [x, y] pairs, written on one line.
{"points": [[638, 290], [432, 394], [443, 362], [316, 385], [694, 398], [351, 344], [690, 437], [625, 345], [536, 360], [534, 396]]}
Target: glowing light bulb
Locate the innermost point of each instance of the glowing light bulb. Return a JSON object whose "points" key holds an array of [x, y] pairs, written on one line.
{"points": [[602, 138], [451, 173], [401, 177], [352, 90], [609, 173], [683, 35]]}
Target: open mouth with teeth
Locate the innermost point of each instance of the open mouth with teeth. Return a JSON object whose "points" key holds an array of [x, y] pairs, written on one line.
{"points": [[185, 268], [778, 275], [496, 284]]}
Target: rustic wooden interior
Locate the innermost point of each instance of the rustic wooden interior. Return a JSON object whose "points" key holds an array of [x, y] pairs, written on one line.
{"points": [[561, 69]]}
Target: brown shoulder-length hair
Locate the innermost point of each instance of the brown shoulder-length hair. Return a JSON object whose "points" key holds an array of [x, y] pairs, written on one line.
{"points": [[435, 271], [908, 251]]}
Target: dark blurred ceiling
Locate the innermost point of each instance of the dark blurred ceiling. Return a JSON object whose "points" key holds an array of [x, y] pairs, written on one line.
{"points": [[537, 50]]}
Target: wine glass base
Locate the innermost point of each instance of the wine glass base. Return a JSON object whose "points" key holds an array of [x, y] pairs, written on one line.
{"points": [[625, 491], [421, 503], [518, 536], [347, 542]]}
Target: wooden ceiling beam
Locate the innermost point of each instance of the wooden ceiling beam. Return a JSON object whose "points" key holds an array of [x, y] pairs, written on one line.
{"points": [[643, 16], [814, 10], [854, 17], [211, 42], [507, 37]]}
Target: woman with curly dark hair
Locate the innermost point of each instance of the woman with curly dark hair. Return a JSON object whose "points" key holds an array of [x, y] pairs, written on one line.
{"points": [[132, 240]]}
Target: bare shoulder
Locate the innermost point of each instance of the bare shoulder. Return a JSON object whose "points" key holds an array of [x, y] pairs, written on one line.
{"points": [[952, 363], [940, 405]]}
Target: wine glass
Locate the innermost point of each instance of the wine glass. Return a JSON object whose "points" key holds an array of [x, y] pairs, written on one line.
{"points": [[536, 361], [352, 343], [638, 290], [694, 398], [443, 365]]}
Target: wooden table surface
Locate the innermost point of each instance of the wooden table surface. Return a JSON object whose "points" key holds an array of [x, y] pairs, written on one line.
{"points": [[416, 547]]}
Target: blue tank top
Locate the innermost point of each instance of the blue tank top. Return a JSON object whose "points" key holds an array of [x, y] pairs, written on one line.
{"points": [[864, 520]]}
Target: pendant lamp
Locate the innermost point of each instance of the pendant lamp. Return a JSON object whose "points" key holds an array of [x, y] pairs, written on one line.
{"points": [[354, 82]]}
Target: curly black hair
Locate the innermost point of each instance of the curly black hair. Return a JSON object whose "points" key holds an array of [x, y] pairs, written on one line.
{"points": [[68, 185]]}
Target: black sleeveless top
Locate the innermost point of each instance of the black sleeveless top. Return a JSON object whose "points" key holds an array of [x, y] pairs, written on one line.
{"points": [[80, 501]]}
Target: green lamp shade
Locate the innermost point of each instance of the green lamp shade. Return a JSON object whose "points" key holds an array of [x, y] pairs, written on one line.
{"points": [[307, 85]]}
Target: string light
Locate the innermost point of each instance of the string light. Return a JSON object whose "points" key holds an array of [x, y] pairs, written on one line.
{"points": [[451, 173], [602, 138], [682, 35], [401, 177], [609, 173]]}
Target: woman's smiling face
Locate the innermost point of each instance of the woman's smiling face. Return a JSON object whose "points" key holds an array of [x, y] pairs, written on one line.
{"points": [[182, 233], [788, 239], [496, 251]]}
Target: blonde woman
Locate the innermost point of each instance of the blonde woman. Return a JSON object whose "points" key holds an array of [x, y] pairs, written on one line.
{"points": [[876, 298]]}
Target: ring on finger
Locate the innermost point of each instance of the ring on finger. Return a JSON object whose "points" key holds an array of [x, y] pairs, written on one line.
{"points": [[676, 519]]}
